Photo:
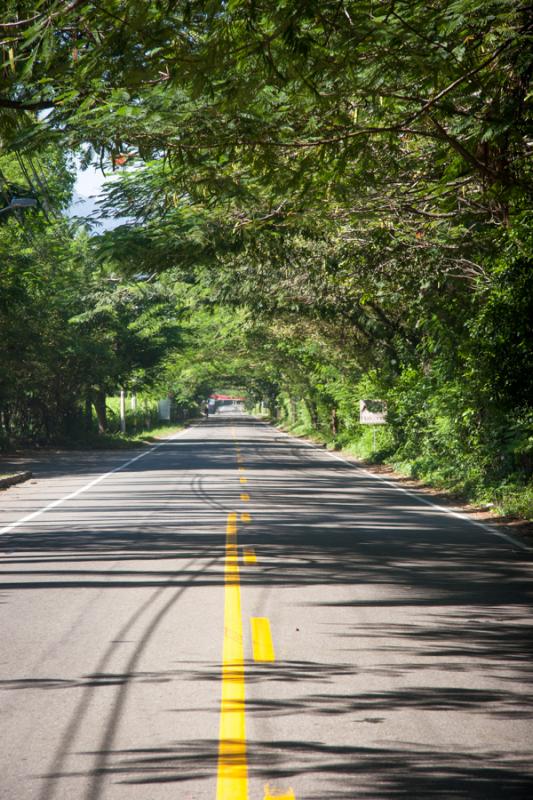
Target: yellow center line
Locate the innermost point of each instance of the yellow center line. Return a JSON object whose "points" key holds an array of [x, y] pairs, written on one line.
{"points": [[232, 778], [243, 480], [245, 497], [263, 649], [245, 517], [249, 555]]}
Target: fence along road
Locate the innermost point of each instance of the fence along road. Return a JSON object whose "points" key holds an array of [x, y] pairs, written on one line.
{"points": [[236, 615]]}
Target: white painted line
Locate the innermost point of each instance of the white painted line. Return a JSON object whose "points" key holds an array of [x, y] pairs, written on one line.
{"points": [[87, 486], [420, 498]]}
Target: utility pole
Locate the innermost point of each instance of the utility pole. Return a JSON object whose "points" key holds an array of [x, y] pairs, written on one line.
{"points": [[122, 411]]}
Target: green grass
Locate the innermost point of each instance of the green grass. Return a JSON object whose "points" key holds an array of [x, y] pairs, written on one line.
{"points": [[308, 432], [121, 441], [513, 500], [161, 432], [517, 502]]}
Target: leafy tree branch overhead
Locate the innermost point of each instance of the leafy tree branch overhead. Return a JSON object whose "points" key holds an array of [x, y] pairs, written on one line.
{"points": [[330, 197]]}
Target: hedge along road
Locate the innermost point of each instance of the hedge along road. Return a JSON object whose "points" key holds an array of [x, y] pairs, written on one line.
{"points": [[233, 614]]}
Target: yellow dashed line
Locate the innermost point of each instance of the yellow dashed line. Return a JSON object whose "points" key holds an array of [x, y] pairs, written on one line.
{"points": [[289, 795], [262, 646], [232, 777]]}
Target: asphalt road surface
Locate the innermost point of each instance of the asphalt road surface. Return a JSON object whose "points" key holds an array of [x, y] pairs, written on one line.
{"points": [[235, 615]]}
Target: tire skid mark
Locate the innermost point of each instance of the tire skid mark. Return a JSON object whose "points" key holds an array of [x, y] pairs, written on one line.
{"points": [[106, 743], [197, 486], [78, 716]]}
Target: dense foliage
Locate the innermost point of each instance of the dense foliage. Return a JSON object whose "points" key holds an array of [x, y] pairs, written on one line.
{"points": [[336, 196]]}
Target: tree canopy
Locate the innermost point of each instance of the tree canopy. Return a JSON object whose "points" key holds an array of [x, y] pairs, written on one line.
{"points": [[333, 198]]}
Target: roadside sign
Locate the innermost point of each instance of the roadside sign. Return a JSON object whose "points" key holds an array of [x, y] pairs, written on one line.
{"points": [[372, 412], [164, 408]]}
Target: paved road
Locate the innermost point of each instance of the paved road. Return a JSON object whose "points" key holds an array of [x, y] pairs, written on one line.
{"points": [[234, 615]]}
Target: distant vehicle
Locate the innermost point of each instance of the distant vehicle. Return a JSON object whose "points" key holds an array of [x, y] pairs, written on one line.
{"points": [[226, 404]]}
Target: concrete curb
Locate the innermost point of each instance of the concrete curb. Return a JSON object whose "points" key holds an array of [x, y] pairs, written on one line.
{"points": [[11, 480]]}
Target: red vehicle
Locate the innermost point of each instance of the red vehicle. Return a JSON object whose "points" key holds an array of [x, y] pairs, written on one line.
{"points": [[224, 403]]}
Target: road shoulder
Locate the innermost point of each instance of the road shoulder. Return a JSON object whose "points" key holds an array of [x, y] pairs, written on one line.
{"points": [[519, 529]]}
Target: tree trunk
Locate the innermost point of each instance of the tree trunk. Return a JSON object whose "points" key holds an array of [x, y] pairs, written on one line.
{"points": [[313, 412], [294, 410], [101, 410], [88, 415]]}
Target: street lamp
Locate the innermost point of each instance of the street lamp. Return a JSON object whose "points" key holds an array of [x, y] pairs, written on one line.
{"points": [[19, 202]]}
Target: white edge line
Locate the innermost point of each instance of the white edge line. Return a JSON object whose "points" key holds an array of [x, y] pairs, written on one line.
{"points": [[87, 486], [424, 500]]}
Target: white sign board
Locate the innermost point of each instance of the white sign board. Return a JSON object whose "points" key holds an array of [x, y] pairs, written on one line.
{"points": [[372, 412], [164, 407]]}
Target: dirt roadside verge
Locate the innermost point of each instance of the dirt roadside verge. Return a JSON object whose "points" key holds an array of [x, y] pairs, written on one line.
{"points": [[17, 477]]}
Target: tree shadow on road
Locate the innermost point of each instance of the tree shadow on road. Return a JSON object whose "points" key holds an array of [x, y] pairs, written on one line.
{"points": [[399, 589]]}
